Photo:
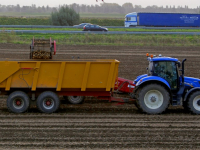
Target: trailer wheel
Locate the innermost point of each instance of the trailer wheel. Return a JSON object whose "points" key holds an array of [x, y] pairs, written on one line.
{"points": [[194, 102], [75, 99], [18, 102], [153, 99], [48, 102]]}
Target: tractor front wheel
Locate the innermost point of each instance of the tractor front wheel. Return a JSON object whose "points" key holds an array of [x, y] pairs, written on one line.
{"points": [[194, 102]]}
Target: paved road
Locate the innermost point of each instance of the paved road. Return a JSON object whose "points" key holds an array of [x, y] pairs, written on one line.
{"points": [[99, 32], [45, 26]]}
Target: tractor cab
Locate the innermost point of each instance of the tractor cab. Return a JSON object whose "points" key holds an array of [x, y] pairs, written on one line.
{"points": [[166, 68]]}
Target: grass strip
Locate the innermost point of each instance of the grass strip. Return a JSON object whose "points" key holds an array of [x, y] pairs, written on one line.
{"points": [[115, 40]]}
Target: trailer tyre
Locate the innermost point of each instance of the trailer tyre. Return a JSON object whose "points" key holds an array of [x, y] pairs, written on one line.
{"points": [[153, 99], [194, 102], [48, 102], [75, 99], [18, 102]]}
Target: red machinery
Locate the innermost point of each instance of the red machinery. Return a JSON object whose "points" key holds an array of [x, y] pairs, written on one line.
{"points": [[124, 85]]}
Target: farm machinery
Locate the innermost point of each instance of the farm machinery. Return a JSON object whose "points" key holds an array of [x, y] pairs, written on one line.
{"points": [[42, 49], [41, 81], [163, 86]]}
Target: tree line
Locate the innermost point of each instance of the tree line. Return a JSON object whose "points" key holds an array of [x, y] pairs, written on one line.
{"points": [[111, 8]]}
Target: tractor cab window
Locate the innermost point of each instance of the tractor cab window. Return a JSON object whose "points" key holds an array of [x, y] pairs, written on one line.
{"points": [[150, 68], [167, 71]]}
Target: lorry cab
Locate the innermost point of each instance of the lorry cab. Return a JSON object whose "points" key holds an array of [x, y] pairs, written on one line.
{"points": [[131, 20]]}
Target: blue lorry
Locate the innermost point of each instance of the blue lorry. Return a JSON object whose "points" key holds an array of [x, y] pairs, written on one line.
{"points": [[162, 19], [163, 85]]}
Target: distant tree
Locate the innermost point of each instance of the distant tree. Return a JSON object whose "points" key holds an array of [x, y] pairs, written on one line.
{"points": [[137, 8], [17, 8], [65, 16], [104, 8], [128, 7]]}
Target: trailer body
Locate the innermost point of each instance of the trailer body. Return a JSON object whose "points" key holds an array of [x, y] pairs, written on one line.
{"points": [[71, 75]]}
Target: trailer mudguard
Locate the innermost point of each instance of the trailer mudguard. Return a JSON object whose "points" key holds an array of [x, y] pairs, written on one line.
{"points": [[152, 78], [191, 90]]}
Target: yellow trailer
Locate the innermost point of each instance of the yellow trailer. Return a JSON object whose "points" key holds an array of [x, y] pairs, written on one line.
{"points": [[43, 81]]}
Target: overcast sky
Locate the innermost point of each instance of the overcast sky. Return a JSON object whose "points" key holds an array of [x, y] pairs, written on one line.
{"points": [[143, 3]]}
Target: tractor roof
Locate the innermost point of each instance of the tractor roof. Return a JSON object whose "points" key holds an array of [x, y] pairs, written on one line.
{"points": [[163, 59]]}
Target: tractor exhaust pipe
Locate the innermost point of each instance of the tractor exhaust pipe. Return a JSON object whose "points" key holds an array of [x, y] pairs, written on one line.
{"points": [[183, 70]]}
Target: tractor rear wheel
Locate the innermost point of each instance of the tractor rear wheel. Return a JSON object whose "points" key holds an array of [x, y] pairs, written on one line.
{"points": [[194, 102], [153, 99], [48, 102]]}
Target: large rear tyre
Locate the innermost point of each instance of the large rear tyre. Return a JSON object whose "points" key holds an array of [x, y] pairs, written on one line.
{"points": [[136, 105], [153, 99], [194, 103], [18, 102], [48, 102]]}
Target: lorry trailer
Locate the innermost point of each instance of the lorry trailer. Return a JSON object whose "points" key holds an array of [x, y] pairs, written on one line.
{"points": [[162, 19]]}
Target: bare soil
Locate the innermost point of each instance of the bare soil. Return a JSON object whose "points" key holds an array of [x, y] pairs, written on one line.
{"points": [[100, 124]]}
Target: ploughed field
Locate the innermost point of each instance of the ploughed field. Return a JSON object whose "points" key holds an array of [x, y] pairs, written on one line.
{"points": [[100, 124]]}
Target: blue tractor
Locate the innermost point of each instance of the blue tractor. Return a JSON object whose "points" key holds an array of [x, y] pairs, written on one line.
{"points": [[162, 86]]}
